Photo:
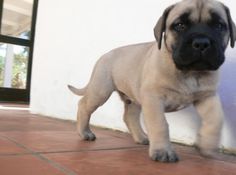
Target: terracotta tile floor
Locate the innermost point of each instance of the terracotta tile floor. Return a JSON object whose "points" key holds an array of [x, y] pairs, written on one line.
{"points": [[32, 145]]}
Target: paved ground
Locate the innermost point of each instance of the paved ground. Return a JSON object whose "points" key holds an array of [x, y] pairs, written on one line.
{"points": [[33, 144]]}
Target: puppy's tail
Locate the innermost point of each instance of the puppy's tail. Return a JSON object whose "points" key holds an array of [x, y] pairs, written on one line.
{"points": [[77, 91]]}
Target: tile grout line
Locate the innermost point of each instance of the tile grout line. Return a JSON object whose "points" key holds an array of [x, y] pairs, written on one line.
{"points": [[38, 153], [94, 150], [39, 156], [56, 165], [71, 151], [14, 154]]}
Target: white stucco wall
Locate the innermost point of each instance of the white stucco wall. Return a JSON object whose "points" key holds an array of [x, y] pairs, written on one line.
{"points": [[71, 35]]}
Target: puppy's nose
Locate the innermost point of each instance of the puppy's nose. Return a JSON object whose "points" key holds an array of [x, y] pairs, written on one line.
{"points": [[201, 44]]}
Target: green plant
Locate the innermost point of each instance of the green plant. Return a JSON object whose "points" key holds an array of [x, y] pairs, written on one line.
{"points": [[1, 70], [20, 69]]}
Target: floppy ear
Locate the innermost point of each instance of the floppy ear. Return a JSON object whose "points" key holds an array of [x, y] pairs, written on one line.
{"points": [[161, 26], [232, 27]]}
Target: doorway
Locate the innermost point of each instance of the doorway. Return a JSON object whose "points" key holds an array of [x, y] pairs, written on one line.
{"points": [[17, 30]]}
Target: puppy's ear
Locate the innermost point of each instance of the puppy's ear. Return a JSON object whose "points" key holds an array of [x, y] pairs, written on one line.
{"points": [[161, 26], [232, 27]]}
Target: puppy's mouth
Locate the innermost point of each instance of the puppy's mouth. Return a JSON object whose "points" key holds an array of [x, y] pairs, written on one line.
{"points": [[200, 63], [198, 66], [198, 54]]}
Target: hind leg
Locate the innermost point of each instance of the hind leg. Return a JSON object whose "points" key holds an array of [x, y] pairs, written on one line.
{"points": [[83, 118], [87, 105], [132, 120], [97, 92]]}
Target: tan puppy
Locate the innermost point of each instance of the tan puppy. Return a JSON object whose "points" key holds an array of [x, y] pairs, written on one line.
{"points": [[180, 69]]}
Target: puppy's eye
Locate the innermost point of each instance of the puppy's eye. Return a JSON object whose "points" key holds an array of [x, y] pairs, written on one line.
{"points": [[180, 27], [220, 26]]}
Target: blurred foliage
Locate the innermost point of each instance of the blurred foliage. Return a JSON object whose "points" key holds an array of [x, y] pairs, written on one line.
{"points": [[19, 71], [1, 70]]}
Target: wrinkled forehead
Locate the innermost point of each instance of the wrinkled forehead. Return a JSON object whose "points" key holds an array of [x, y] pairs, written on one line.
{"points": [[197, 10]]}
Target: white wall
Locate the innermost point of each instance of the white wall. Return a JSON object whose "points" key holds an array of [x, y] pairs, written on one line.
{"points": [[71, 35]]}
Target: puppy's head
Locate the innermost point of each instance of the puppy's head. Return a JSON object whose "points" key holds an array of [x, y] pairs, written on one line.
{"points": [[196, 33]]}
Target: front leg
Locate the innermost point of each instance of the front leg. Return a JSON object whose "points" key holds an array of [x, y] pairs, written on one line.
{"points": [[160, 148], [211, 113]]}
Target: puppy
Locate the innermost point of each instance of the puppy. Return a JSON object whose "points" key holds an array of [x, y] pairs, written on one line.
{"points": [[179, 69]]}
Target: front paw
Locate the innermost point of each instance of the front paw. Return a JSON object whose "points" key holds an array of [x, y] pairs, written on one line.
{"points": [[163, 155], [207, 148], [205, 152]]}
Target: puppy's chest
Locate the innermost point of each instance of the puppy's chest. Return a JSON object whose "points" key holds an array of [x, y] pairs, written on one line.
{"points": [[185, 95], [175, 101]]}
